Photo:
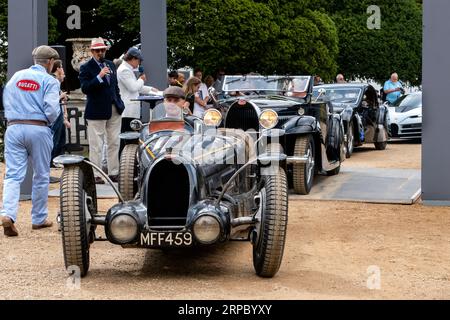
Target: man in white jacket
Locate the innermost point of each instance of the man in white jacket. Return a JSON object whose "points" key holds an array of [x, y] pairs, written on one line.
{"points": [[131, 88]]}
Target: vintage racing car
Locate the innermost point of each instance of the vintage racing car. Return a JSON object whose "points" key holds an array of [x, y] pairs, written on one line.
{"points": [[313, 136], [365, 120], [182, 183]]}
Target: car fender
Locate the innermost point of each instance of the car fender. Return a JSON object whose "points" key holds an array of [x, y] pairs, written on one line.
{"points": [[347, 114], [129, 136], [88, 173], [300, 125]]}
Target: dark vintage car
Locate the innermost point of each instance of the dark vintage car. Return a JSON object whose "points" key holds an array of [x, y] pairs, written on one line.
{"points": [[313, 136], [182, 183], [365, 119]]}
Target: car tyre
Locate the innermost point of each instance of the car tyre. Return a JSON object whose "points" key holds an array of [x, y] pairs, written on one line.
{"points": [[380, 145], [268, 247], [303, 173], [334, 172], [128, 172], [350, 146], [74, 227]]}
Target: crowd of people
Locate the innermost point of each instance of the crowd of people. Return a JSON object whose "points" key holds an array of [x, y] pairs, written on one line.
{"points": [[35, 108]]}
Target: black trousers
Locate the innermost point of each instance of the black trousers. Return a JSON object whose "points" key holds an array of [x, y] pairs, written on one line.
{"points": [[59, 137]]}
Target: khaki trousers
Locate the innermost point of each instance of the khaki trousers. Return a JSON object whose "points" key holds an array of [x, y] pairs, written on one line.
{"points": [[105, 131]]}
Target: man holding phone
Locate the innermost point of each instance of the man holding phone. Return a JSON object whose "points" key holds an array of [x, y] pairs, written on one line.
{"points": [[393, 88], [104, 107]]}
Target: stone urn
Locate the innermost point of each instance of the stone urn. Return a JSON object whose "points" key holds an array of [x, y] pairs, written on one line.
{"points": [[81, 51]]}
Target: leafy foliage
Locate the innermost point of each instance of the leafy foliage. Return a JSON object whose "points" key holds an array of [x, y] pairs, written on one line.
{"points": [[375, 54]]}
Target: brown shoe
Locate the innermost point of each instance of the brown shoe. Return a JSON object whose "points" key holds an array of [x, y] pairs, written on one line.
{"points": [[46, 224], [8, 227]]}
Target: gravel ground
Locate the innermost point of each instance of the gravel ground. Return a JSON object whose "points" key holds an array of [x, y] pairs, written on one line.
{"points": [[330, 248]]}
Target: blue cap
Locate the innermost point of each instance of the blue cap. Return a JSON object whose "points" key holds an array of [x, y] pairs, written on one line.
{"points": [[135, 53]]}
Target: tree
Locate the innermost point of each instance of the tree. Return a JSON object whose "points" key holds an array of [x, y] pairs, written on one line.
{"points": [[376, 53]]}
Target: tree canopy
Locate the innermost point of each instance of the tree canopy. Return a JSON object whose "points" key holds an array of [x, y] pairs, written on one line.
{"points": [[266, 36]]}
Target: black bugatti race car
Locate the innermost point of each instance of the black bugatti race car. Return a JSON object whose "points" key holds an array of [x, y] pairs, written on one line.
{"points": [[365, 119], [183, 183], [313, 136]]}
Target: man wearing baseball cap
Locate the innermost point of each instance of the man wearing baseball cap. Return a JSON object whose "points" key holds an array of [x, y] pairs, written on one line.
{"points": [[104, 107], [31, 101], [131, 88]]}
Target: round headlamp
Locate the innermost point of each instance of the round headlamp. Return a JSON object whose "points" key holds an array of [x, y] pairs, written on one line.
{"points": [[136, 125], [123, 228], [268, 119], [212, 118], [206, 229]]}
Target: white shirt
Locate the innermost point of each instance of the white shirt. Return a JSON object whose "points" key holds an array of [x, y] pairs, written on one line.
{"points": [[202, 94], [131, 88]]}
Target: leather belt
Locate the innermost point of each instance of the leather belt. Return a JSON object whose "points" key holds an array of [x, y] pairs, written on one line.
{"points": [[28, 122]]}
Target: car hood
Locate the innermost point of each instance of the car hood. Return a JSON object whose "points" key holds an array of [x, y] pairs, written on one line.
{"points": [[400, 116]]}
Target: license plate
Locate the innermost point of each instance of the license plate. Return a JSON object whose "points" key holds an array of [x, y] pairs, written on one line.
{"points": [[166, 239]]}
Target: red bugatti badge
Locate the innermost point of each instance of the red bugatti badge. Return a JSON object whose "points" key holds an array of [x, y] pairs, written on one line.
{"points": [[28, 85]]}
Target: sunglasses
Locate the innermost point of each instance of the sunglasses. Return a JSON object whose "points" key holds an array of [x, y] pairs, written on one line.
{"points": [[99, 50]]}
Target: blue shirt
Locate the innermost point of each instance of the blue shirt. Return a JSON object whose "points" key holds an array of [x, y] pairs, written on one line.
{"points": [[32, 94], [393, 96]]}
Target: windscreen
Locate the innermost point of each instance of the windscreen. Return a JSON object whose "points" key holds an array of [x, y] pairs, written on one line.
{"points": [[340, 95], [267, 84]]}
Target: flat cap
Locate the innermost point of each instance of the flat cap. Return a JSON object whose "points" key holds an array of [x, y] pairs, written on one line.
{"points": [[45, 52], [174, 91]]}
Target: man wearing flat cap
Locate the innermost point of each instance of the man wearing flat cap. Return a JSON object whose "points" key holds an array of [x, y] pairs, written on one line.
{"points": [[104, 107], [176, 95], [31, 102]]}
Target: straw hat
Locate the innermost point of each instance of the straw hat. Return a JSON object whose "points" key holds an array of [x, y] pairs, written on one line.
{"points": [[98, 43]]}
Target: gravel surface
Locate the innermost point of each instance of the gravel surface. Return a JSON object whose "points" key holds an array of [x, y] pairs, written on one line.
{"points": [[330, 248]]}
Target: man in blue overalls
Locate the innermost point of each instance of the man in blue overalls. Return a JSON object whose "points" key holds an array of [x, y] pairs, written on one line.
{"points": [[31, 101]]}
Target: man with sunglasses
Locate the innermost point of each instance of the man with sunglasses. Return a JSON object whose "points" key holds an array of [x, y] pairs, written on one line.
{"points": [[104, 107]]}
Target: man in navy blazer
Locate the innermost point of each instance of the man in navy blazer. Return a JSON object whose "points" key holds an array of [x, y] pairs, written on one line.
{"points": [[104, 107]]}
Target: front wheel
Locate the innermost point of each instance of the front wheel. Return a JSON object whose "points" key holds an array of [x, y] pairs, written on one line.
{"points": [[380, 145], [270, 233], [128, 172], [303, 173], [350, 140], [75, 220]]}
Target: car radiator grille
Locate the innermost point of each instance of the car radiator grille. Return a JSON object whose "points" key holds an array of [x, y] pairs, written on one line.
{"points": [[168, 195], [242, 117]]}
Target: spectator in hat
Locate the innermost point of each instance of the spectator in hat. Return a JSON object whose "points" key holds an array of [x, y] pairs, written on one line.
{"points": [[31, 101], [173, 96], [177, 96], [131, 88], [104, 107]]}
